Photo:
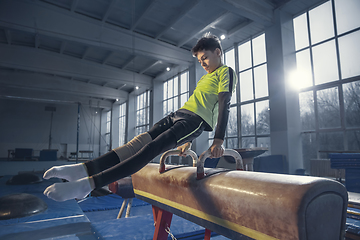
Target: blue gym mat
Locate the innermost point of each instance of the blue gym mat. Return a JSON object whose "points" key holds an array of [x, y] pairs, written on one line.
{"points": [[142, 227], [353, 226], [59, 219], [108, 202]]}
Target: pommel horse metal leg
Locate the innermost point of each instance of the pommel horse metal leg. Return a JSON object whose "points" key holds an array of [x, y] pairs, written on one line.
{"points": [[162, 222], [124, 189]]}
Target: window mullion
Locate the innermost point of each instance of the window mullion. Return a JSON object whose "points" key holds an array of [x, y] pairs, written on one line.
{"points": [[253, 82], [238, 108], [310, 48]]}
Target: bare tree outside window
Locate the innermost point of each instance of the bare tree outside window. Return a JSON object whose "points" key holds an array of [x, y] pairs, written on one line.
{"points": [[328, 108], [352, 103], [307, 113], [330, 99]]}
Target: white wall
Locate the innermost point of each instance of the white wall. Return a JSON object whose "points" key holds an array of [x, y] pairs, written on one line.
{"points": [[26, 124]]}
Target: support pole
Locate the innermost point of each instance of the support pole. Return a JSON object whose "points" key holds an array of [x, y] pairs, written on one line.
{"points": [[128, 208], [101, 113], [111, 123], [122, 208], [52, 110], [77, 134], [52, 113]]}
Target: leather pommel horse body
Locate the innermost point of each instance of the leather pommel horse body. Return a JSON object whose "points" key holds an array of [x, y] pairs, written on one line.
{"points": [[248, 205]]}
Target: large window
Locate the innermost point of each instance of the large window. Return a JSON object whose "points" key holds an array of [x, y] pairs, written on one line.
{"points": [[231, 134], [253, 97], [142, 112], [176, 93], [254, 94], [328, 54], [122, 124]]}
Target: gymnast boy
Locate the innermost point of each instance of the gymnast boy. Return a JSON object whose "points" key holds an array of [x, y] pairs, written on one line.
{"points": [[207, 107]]}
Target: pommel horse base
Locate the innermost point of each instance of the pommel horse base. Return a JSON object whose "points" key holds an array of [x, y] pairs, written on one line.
{"points": [[244, 205]]}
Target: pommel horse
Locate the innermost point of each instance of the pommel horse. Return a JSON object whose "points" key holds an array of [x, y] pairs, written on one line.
{"points": [[242, 204]]}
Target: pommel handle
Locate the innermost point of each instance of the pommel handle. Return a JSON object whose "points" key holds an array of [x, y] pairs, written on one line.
{"points": [[176, 152], [227, 152]]}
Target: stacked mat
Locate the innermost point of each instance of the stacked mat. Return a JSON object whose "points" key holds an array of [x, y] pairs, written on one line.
{"points": [[60, 220], [351, 163], [353, 216]]}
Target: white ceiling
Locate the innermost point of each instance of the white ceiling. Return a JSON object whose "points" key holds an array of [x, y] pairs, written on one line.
{"points": [[96, 51]]}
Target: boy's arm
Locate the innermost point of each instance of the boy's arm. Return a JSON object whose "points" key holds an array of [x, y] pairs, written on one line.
{"points": [[217, 150], [224, 110], [227, 83]]}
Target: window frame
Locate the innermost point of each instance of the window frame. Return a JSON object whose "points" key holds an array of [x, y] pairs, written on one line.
{"points": [[237, 104], [141, 128], [108, 130], [177, 95], [316, 88], [122, 123]]}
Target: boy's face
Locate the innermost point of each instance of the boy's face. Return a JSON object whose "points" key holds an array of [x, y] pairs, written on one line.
{"points": [[209, 60]]}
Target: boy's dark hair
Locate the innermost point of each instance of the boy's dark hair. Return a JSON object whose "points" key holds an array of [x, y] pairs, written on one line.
{"points": [[207, 42]]}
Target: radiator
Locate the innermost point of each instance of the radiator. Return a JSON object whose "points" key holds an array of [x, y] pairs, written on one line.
{"points": [[321, 168]]}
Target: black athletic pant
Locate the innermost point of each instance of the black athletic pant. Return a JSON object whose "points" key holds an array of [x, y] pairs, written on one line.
{"points": [[174, 130]]}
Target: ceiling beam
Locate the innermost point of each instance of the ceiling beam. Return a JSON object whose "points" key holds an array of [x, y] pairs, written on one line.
{"points": [[250, 9], [62, 47], [239, 27], [149, 67], [74, 5], [8, 92], [8, 36], [131, 60], [178, 17], [166, 75], [203, 27], [284, 3], [107, 57], [46, 20], [86, 52], [267, 4], [146, 10], [120, 87], [36, 60], [108, 10], [37, 40], [58, 85]]}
